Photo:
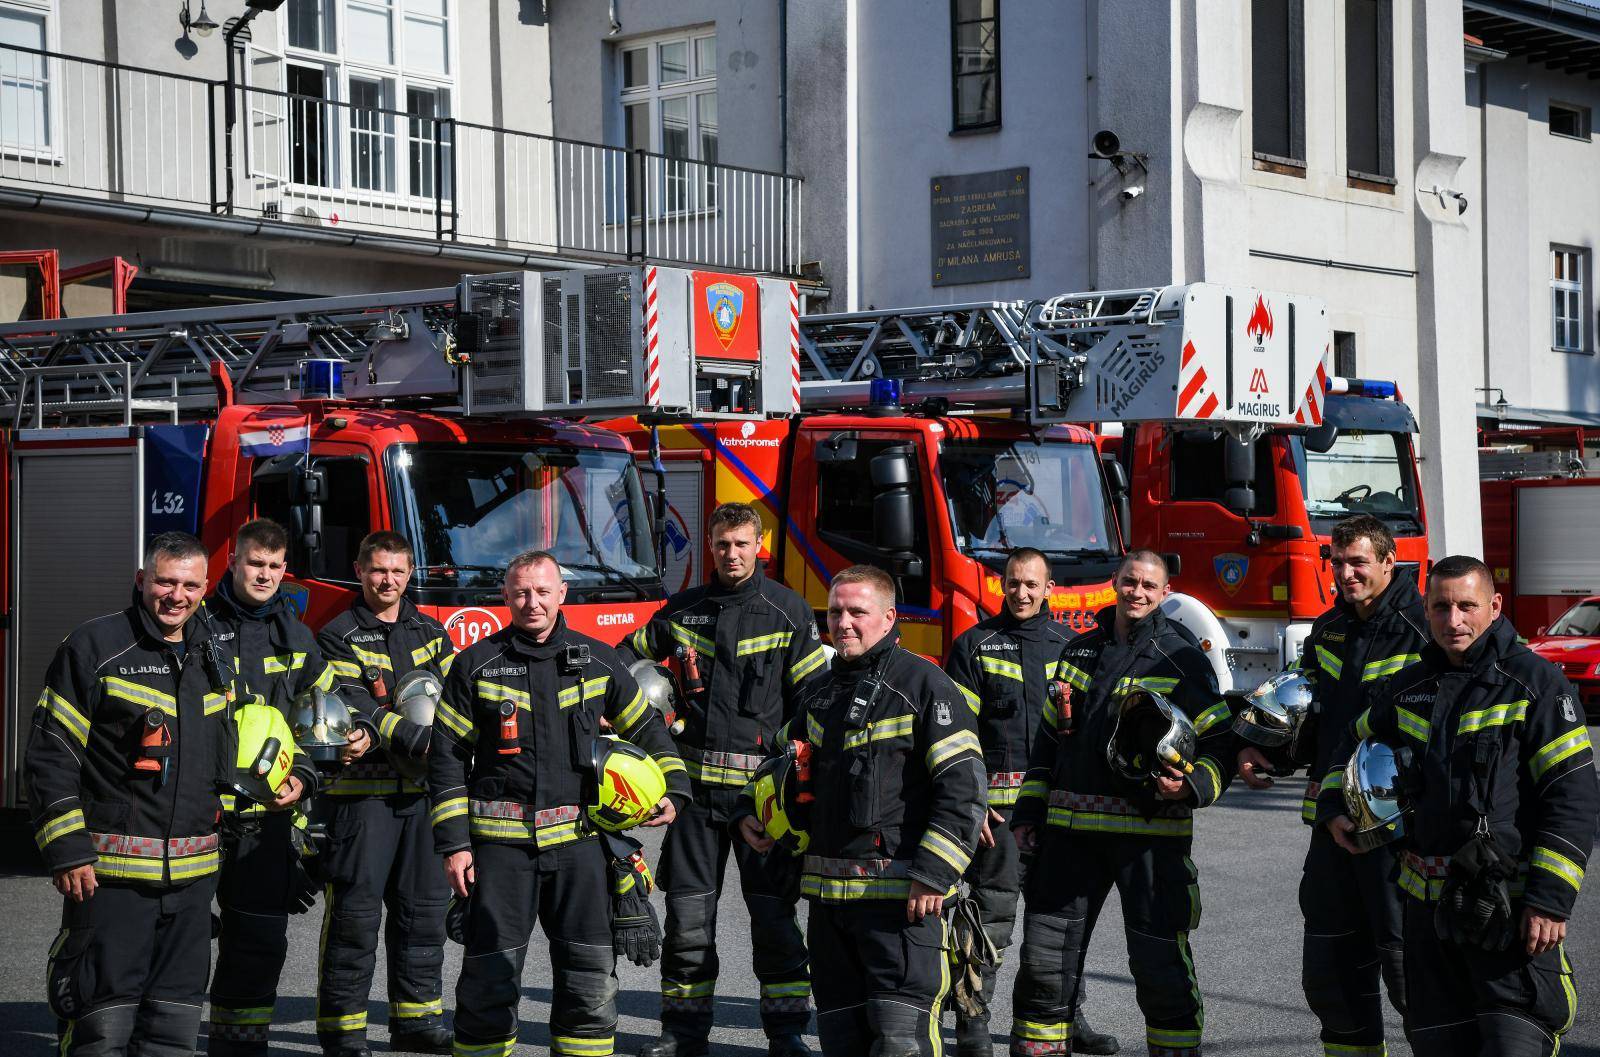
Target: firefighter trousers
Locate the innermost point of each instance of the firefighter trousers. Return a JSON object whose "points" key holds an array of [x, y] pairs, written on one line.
{"points": [[694, 860], [127, 973], [995, 877], [880, 982], [567, 889], [1465, 1002], [380, 858], [1066, 887], [252, 894], [1352, 943]]}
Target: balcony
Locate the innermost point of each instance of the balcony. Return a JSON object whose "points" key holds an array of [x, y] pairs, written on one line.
{"points": [[84, 130]]}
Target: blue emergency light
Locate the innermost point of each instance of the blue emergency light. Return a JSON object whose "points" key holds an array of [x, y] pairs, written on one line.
{"points": [[884, 392], [321, 379], [1378, 390]]}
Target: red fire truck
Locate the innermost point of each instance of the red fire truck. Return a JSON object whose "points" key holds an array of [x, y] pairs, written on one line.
{"points": [[933, 441], [443, 414]]}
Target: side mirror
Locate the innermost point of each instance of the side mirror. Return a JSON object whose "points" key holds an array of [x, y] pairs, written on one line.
{"points": [[1240, 500], [1321, 439], [1238, 463], [312, 486], [894, 524], [891, 468], [1116, 473], [1541, 631], [839, 447]]}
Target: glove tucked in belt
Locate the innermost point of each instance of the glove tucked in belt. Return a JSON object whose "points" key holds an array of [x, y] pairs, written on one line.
{"points": [[1475, 906]]}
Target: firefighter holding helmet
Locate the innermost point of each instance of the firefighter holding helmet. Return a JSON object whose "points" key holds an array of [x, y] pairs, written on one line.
{"points": [[1352, 911], [517, 804], [132, 738], [1492, 787], [1118, 768], [390, 663], [263, 879], [1005, 668], [744, 648], [897, 781]]}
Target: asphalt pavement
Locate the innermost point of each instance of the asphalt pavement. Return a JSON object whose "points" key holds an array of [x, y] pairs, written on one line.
{"points": [[1247, 952]]}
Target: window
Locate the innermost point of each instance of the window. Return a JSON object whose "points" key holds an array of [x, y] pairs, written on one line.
{"points": [[346, 518], [1277, 78], [1369, 91], [1344, 354], [845, 495], [26, 116], [1199, 470], [369, 84], [1567, 300], [1569, 120], [975, 64], [669, 107]]}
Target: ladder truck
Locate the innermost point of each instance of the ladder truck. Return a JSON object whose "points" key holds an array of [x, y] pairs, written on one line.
{"points": [[933, 440], [448, 415]]}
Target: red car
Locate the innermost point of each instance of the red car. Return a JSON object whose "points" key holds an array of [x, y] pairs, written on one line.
{"points": [[1573, 642]]}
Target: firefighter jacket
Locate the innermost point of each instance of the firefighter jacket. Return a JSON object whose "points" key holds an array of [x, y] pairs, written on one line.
{"points": [[532, 787], [1502, 736], [357, 646], [897, 774], [1344, 656], [90, 804], [1003, 668], [756, 647], [1069, 782]]}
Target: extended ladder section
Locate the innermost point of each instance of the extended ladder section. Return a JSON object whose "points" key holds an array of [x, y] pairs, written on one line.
{"points": [[1508, 465], [615, 341], [1235, 356]]}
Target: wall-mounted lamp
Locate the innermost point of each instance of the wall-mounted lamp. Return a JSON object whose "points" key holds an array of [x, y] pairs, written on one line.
{"points": [[202, 24]]}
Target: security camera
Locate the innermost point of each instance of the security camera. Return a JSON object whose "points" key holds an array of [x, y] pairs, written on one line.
{"points": [[1128, 194]]}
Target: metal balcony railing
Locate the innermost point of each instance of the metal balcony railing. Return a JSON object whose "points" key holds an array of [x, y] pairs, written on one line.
{"points": [[107, 131]]}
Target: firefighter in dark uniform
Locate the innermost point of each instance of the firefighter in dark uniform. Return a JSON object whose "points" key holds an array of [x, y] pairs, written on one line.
{"points": [[897, 776], [380, 844], [1004, 667], [509, 773], [1093, 830], [130, 739], [744, 647], [277, 657], [1501, 783], [1351, 909]]}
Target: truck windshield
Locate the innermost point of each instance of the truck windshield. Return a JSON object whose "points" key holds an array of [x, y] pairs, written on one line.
{"points": [[1365, 472], [469, 511], [1024, 494]]}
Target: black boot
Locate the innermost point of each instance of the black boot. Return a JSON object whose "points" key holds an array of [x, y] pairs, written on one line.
{"points": [[973, 1038], [1087, 1040], [787, 1046], [429, 1040], [671, 1044]]}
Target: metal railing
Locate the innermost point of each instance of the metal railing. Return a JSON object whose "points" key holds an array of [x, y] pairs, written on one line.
{"points": [[114, 132]]}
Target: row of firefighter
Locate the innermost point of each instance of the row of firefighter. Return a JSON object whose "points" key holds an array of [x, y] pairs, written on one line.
{"points": [[201, 746]]}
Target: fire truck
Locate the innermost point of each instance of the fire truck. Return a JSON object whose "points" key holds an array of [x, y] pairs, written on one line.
{"points": [[444, 414], [934, 440]]}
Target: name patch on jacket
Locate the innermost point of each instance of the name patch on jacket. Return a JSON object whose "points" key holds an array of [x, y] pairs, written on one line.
{"points": [[146, 669], [1415, 697], [692, 618], [371, 636], [493, 672], [999, 646], [1334, 636]]}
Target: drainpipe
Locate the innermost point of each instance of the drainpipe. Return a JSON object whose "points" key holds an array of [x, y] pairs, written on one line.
{"points": [[783, 86]]}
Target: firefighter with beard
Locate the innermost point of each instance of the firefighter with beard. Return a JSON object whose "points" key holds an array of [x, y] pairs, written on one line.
{"points": [[1351, 908], [380, 845], [1004, 668], [262, 881], [1497, 787], [896, 772], [130, 742], [744, 648], [510, 772], [1093, 827]]}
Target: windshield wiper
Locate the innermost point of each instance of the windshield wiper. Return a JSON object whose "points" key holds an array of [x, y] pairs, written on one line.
{"points": [[610, 570]]}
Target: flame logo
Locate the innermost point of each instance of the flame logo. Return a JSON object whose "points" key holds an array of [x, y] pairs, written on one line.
{"points": [[1260, 323]]}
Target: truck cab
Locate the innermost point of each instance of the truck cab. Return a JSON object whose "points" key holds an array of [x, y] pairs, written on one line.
{"points": [[1251, 521]]}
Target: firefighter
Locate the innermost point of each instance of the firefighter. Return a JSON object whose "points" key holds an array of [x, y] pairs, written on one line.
{"points": [[1092, 828], [130, 741], [1503, 801], [1351, 910], [380, 845], [277, 657], [743, 647], [1004, 668], [509, 770], [898, 781]]}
